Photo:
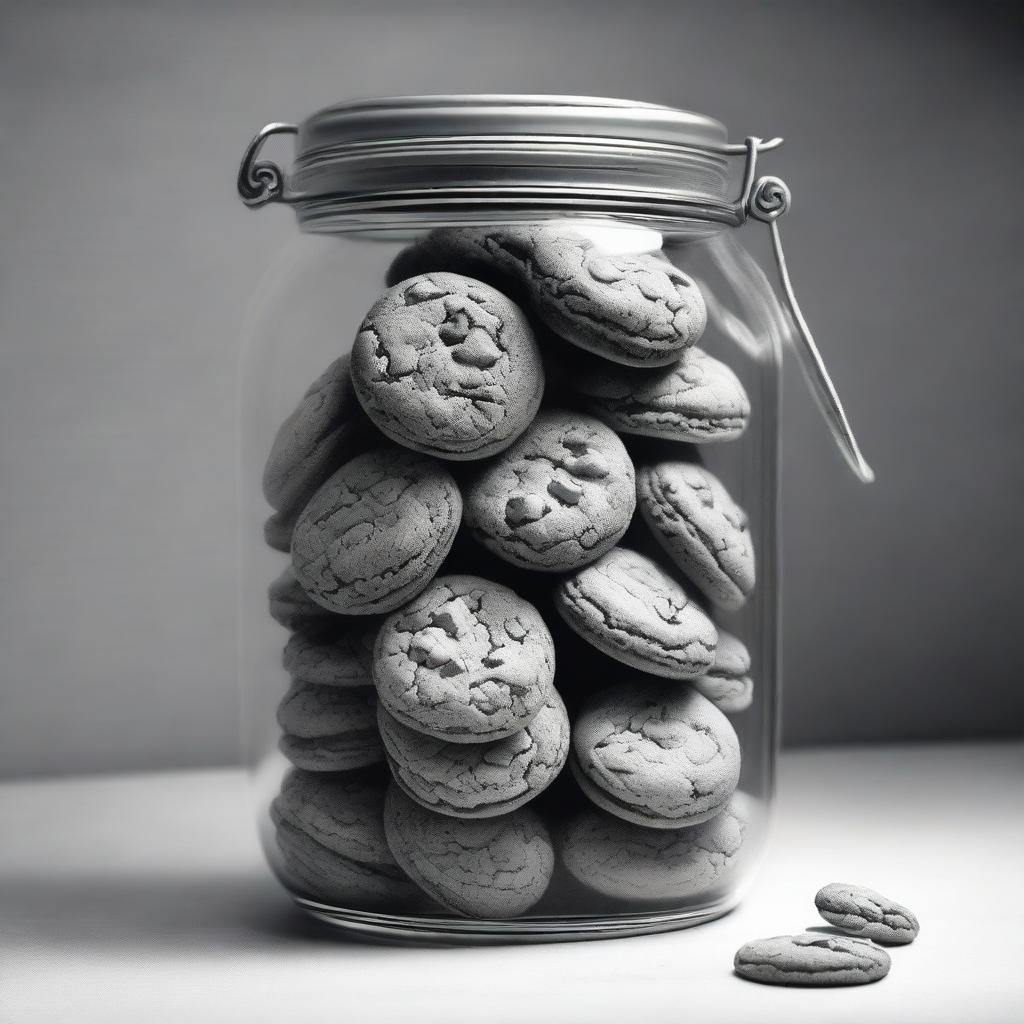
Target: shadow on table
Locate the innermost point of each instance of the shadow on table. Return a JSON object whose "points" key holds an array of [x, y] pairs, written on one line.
{"points": [[209, 913]]}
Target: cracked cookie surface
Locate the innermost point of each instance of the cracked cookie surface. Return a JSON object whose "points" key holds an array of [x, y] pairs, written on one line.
{"points": [[329, 728], [376, 532], [655, 754], [867, 914], [492, 868], [330, 830], [633, 309], [812, 959], [478, 780], [702, 529], [317, 437], [631, 610], [449, 366], [627, 861], [467, 660], [697, 399], [560, 497], [727, 684], [333, 654]]}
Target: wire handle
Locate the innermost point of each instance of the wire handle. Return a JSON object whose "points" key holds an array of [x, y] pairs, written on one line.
{"points": [[767, 200]]}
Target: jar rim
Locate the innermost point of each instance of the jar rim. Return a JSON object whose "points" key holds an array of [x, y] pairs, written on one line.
{"points": [[528, 114], [419, 161]]}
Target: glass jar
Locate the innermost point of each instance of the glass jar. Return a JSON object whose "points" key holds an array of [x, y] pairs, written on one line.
{"points": [[509, 507]]}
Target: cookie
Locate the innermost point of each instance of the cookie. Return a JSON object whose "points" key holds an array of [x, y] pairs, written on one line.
{"points": [[701, 528], [696, 399], [492, 868], [478, 780], [867, 914], [812, 959], [336, 654], [628, 608], [277, 531], [637, 310], [329, 728], [449, 366], [290, 605], [376, 532], [655, 754], [330, 830], [467, 660], [320, 434], [633, 862], [727, 684], [560, 497]]}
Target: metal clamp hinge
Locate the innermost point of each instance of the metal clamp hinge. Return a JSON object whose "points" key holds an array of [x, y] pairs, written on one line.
{"points": [[261, 181]]}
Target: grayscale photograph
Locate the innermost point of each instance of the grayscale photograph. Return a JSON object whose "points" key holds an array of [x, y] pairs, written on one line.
{"points": [[511, 511]]}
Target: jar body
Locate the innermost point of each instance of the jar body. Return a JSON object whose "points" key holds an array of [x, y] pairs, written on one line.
{"points": [[643, 804]]}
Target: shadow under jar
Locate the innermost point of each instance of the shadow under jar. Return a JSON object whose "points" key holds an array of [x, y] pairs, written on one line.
{"points": [[509, 511]]}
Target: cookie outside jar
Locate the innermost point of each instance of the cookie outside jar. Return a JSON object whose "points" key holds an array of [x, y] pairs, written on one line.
{"points": [[510, 409]]}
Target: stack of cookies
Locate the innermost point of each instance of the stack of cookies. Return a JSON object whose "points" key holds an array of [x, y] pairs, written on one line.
{"points": [[474, 603]]}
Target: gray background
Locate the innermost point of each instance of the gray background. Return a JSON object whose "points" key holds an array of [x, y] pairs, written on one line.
{"points": [[126, 262]]}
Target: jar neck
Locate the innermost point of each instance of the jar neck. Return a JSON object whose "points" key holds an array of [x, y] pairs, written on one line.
{"points": [[343, 215]]}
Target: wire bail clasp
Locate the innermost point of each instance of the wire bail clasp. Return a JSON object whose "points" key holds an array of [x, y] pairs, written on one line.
{"points": [[767, 199]]}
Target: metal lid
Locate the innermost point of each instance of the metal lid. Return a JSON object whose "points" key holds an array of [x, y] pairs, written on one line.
{"points": [[404, 117], [416, 160]]}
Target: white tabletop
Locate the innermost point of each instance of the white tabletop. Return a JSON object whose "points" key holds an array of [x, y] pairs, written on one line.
{"points": [[144, 899]]}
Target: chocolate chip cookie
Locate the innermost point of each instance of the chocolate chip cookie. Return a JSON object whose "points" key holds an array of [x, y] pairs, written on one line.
{"points": [[376, 532], [655, 754], [560, 497], [330, 830], [333, 653], [479, 780], [329, 728], [696, 399], [628, 608], [703, 530], [449, 366], [727, 684], [467, 660], [290, 605], [321, 434], [812, 959], [867, 914], [492, 868], [634, 862]]}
